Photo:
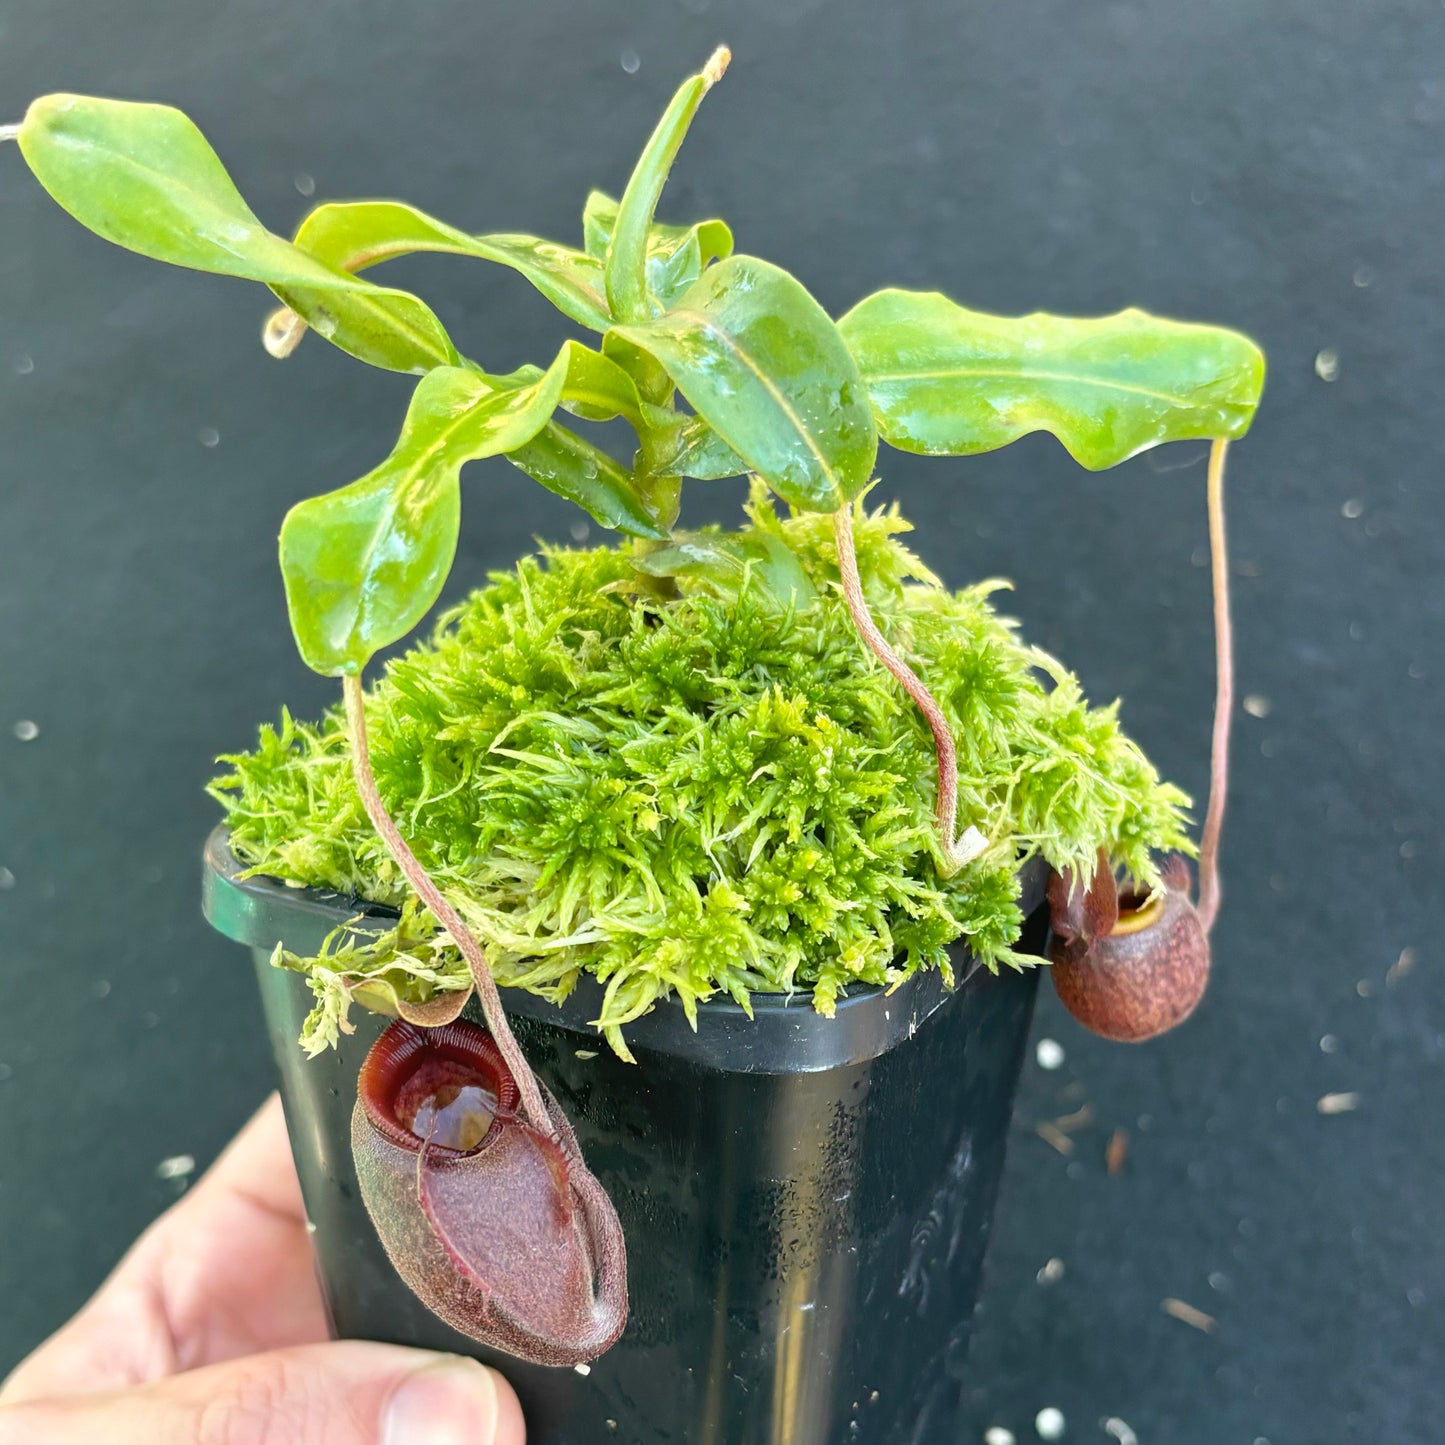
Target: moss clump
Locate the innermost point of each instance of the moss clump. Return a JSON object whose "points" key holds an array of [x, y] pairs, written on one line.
{"points": [[698, 786]]}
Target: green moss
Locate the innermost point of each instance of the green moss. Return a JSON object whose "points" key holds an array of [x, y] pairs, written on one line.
{"points": [[712, 791]]}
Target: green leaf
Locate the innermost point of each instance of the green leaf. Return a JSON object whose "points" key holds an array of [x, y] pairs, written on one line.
{"points": [[593, 387], [352, 235], [145, 178], [945, 381], [572, 467], [762, 364], [676, 255], [363, 565], [627, 251], [686, 446], [761, 562]]}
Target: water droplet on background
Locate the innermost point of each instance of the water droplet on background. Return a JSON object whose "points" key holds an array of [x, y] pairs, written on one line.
{"points": [[1049, 1422], [631, 61], [26, 730], [304, 183], [1050, 1054], [208, 436], [1327, 364]]}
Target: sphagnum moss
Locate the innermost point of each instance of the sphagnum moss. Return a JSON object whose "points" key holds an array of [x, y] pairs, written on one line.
{"points": [[717, 791]]}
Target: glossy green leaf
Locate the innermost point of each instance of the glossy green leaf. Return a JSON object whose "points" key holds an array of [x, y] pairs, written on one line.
{"points": [[762, 364], [145, 178], [761, 563], [572, 467], [676, 255], [627, 251], [352, 235], [593, 386], [363, 565], [945, 381], [686, 446]]}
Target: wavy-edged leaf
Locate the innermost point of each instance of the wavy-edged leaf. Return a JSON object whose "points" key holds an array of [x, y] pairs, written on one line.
{"points": [[572, 467], [364, 564], [945, 381], [144, 177], [761, 563], [594, 387], [627, 250], [763, 365], [676, 255], [352, 235]]}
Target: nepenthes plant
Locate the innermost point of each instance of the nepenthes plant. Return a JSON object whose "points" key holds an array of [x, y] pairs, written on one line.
{"points": [[722, 364]]}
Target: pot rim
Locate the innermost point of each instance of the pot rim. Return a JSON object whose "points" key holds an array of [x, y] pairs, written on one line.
{"points": [[785, 1035]]}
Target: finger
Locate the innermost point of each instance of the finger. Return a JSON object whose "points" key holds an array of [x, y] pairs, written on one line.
{"points": [[335, 1394], [226, 1272]]}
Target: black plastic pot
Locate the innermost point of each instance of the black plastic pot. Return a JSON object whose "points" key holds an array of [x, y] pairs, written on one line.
{"points": [[806, 1201]]}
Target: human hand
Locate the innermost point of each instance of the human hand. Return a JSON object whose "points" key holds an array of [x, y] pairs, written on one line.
{"points": [[211, 1331]]}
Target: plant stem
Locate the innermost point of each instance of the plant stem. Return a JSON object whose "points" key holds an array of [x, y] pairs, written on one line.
{"points": [[533, 1109], [1209, 890], [956, 851]]}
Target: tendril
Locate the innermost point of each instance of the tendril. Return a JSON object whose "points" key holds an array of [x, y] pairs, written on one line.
{"points": [[956, 850]]}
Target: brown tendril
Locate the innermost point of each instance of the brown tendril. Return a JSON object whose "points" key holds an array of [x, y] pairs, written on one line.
{"points": [[1209, 889], [426, 889], [956, 850]]}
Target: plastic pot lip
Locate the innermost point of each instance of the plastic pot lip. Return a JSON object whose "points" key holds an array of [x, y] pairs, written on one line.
{"points": [[786, 1034]]}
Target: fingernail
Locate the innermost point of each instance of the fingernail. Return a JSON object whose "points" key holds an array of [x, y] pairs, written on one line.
{"points": [[452, 1402]]}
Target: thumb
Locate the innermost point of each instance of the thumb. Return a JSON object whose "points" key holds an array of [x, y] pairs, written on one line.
{"points": [[345, 1393]]}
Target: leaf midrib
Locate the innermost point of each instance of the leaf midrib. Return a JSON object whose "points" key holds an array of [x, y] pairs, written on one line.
{"points": [[731, 343], [872, 378]]}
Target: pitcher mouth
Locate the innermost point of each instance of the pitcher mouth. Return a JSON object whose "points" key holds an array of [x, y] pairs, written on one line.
{"points": [[442, 1088], [1137, 913]]}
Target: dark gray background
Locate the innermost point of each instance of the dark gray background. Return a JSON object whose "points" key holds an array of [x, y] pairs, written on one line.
{"points": [[1276, 166]]}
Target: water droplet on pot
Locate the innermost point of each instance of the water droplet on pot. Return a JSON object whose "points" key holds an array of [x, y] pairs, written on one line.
{"points": [[178, 1166], [1352, 508], [1363, 277], [1327, 364], [208, 436], [24, 364], [631, 61], [26, 730], [1329, 1044], [997, 1435], [1257, 705]]}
